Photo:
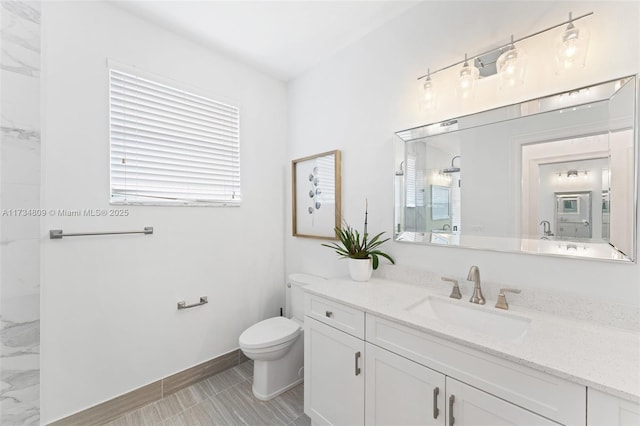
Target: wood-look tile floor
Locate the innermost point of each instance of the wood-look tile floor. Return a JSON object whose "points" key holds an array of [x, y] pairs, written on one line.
{"points": [[223, 399]]}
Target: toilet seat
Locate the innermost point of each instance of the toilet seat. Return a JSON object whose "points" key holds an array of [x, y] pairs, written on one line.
{"points": [[269, 333]]}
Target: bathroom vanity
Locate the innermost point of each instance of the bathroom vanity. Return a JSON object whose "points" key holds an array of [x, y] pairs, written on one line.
{"points": [[385, 352]]}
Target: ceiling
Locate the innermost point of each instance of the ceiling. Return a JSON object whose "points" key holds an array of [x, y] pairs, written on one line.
{"points": [[280, 38]]}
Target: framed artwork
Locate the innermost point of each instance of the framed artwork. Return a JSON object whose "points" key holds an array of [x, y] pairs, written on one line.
{"points": [[316, 195]]}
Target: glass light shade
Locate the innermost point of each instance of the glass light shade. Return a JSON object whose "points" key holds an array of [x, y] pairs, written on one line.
{"points": [[571, 48], [468, 76], [512, 66], [428, 94]]}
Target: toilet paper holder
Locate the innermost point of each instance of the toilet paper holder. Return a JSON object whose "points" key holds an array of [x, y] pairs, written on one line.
{"points": [[183, 304]]}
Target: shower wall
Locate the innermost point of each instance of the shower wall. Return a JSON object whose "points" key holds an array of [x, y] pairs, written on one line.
{"points": [[20, 219]]}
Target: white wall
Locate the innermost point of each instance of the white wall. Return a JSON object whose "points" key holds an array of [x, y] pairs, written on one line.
{"points": [[109, 314], [356, 101]]}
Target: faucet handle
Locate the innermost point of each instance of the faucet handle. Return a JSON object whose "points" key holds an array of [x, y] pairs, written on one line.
{"points": [[502, 299], [455, 292]]}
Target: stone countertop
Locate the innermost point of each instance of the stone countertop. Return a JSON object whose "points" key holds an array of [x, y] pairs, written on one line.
{"points": [[600, 357]]}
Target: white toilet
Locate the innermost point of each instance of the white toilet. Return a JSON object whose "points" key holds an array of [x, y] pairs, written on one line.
{"points": [[276, 345]]}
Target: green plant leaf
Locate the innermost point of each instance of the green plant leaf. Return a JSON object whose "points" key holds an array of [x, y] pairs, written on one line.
{"points": [[374, 261], [385, 255]]}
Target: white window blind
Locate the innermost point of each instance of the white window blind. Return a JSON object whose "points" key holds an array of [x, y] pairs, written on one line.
{"points": [[170, 146], [415, 184]]}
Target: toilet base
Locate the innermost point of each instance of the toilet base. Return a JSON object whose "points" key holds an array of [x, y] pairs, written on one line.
{"points": [[271, 378], [273, 395]]}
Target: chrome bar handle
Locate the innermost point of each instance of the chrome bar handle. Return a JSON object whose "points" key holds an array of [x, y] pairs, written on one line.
{"points": [[452, 420], [358, 354], [328, 314], [183, 304], [436, 412], [57, 234]]}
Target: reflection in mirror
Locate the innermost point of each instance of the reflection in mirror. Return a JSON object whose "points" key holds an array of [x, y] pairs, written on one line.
{"points": [[573, 216], [555, 176]]}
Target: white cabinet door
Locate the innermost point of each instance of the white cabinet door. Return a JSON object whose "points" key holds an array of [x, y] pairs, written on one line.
{"points": [[549, 396], [607, 410], [400, 392], [467, 405], [333, 375]]}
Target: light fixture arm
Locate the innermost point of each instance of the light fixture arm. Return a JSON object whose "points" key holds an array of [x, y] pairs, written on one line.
{"points": [[570, 26], [570, 22]]}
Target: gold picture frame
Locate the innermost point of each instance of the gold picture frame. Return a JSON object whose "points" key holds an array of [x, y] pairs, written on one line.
{"points": [[317, 195]]}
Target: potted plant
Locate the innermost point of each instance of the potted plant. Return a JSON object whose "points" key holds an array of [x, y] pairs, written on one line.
{"points": [[363, 253]]}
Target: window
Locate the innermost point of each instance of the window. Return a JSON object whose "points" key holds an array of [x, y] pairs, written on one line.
{"points": [[415, 184], [170, 146]]}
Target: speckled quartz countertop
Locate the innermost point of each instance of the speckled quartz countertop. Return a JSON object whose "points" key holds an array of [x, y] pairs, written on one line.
{"points": [[603, 358]]}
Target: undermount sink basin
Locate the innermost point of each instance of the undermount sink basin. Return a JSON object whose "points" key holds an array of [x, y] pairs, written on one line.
{"points": [[481, 319]]}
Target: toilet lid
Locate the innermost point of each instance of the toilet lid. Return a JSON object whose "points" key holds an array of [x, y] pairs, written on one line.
{"points": [[269, 332]]}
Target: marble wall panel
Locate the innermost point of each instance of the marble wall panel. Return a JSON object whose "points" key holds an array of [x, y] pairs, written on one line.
{"points": [[19, 230]]}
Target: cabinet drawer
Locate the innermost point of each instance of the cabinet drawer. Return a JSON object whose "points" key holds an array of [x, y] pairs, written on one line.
{"points": [[342, 317], [549, 396]]}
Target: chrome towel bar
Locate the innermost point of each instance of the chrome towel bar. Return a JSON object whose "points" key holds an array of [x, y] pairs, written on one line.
{"points": [[183, 304], [57, 234]]}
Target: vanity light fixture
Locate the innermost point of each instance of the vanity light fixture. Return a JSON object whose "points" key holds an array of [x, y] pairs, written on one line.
{"points": [[468, 76], [512, 65], [573, 174], [428, 92], [570, 53], [571, 47]]}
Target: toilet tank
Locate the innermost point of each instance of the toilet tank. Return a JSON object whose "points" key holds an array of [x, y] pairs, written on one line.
{"points": [[295, 283]]}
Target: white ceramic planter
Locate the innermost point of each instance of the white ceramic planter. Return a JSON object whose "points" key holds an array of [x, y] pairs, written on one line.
{"points": [[360, 269]]}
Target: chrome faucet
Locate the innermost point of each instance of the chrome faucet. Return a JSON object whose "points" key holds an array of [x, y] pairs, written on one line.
{"points": [[446, 227], [474, 275], [546, 228]]}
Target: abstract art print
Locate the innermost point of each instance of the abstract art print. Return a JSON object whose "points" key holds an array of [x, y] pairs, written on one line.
{"points": [[316, 195]]}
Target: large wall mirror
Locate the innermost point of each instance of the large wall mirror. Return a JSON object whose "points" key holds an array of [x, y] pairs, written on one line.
{"points": [[555, 176]]}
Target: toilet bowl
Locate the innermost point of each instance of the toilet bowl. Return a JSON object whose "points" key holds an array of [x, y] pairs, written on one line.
{"points": [[276, 345]]}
